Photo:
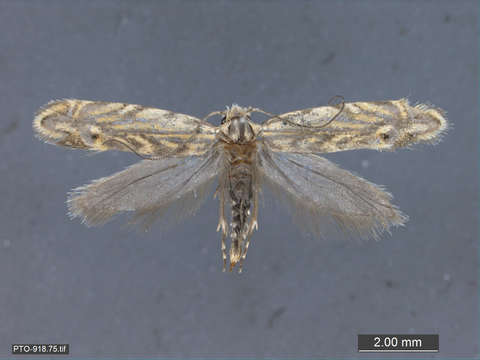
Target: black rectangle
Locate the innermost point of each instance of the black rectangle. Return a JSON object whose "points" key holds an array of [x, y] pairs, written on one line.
{"points": [[40, 349], [397, 343]]}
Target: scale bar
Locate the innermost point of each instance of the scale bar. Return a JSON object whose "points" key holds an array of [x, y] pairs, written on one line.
{"points": [[398, 343]]}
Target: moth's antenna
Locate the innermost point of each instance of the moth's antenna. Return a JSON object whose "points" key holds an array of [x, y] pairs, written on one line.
{"points": [[213, 113], [342, 106]]}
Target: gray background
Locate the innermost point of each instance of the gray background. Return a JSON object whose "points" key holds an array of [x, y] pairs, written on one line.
{"points": [[112, 292]]}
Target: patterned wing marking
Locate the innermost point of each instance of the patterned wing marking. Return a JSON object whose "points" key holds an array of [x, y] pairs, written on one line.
{"points": [[101, 126], [383, 125]]}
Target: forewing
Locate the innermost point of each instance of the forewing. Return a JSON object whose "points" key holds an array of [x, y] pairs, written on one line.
{"points": [[101, 126], [384, 125], [147, 188], [320, 192]]}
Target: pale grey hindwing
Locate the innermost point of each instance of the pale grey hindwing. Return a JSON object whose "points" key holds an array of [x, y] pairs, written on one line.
{"points": [[320, 192], [147, 188]]}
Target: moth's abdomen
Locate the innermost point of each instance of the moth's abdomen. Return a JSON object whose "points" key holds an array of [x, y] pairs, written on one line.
{"points": [[241, 188], [240, 192]]}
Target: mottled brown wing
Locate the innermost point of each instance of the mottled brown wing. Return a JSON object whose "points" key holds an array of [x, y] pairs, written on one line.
{"points": [[319, 192], [147, 188], [101, 126], [384, 125]]}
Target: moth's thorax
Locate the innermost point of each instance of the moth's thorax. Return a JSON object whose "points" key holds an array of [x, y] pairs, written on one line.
{"points": [[239, 130], [236, 126]]}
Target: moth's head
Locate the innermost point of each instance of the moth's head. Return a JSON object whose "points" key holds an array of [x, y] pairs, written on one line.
{"points": [[235, 112], [236, 125]]}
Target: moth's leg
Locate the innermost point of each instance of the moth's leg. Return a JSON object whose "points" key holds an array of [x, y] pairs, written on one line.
{"points": [[244, 254], [224, 251], [253, 225], [222, 223], [253, 221]]}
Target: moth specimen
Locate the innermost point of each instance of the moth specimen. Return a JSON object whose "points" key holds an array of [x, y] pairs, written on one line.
{"points": [[183, 155]]}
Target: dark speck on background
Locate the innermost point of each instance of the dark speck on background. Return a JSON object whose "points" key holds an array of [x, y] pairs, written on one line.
{"points": [[275, 316], [329, 58], [403, 31], [9, 128]]}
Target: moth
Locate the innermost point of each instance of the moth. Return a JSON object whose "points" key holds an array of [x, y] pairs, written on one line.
{"points": [[184, 155]]}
